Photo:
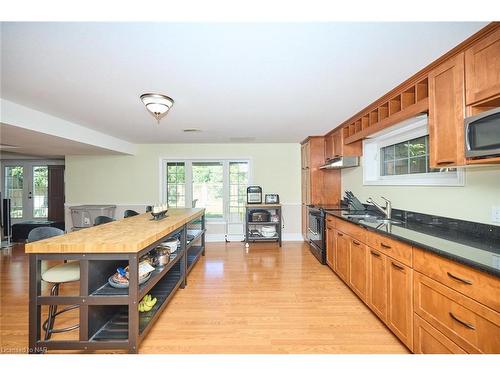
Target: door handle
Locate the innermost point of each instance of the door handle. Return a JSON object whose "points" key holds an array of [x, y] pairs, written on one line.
{"points": [[468, 282], [397, 266], [468, 325], [311, 231]]}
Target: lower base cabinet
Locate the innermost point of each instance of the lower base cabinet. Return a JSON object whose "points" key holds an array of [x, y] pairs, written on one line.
{"points": [[428, 340], [400, 301], [471, 325]]}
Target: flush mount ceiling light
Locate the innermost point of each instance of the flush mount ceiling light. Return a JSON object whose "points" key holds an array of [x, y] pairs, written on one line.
{"points": [[157, 104]]}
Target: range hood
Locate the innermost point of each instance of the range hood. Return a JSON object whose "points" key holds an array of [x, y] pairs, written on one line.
{"points": [[341, 162]]}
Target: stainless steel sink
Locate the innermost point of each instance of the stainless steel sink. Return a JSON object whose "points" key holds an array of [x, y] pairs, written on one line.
{"points": [[362, 217], [389, 221]]}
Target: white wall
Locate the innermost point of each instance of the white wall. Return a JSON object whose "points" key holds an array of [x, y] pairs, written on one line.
{"points": [[134, 181], [472, 202]]}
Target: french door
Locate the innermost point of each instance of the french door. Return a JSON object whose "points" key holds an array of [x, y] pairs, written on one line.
{"points": [[25, 183]]}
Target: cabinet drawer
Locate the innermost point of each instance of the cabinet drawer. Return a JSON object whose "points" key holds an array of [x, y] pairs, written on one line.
{"points": [[395, 249], [472, 326], [428, 340], [475, 284], [352, 230], [330, 220]]}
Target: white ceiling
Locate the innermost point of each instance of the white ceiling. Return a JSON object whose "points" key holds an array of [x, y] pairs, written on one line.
{"points": [[262, 82]]}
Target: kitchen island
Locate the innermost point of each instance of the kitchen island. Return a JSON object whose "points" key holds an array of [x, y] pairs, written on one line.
{"points": [[108, 316]]}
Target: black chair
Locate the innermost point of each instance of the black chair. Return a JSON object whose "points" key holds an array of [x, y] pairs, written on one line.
{"points": [[102, 220], [130, 213], [42, 233], [57, 275]]}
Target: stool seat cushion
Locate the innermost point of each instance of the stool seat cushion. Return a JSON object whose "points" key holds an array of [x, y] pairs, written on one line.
{"points": [[62, 273]]}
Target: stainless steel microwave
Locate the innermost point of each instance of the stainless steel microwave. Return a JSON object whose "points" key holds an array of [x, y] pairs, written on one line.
{"points": [[482, 134]]}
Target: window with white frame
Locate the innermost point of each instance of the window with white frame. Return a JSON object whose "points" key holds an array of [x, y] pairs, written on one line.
{"points": [[219, 186], [400, 156]]}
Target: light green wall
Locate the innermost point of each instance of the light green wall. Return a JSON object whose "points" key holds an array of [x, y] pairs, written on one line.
{"points": [[136, 179], [471, 202]]}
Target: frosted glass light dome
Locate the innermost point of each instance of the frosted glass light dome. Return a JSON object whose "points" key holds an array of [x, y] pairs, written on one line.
{"points": [[157, 104]]}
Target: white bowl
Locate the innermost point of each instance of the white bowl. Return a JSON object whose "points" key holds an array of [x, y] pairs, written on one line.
{"points": [[269, 234], [173, 245]]}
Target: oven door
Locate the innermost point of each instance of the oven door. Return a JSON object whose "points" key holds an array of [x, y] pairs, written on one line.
{"points": [[482, 134], [316, 234]]}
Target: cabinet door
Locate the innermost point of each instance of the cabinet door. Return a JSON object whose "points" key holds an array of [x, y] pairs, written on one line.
{"points": [[358, 268], [329, 148], [337, 143], [303, 187], [446, 113], [342, 258], [377, 283], [308, 186], [482, 69], [304, 221], [330, 245], [400, 304]]}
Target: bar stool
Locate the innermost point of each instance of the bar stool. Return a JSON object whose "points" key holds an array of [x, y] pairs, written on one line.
{"points": [[102, 220], [130, 213], [57, 275]]}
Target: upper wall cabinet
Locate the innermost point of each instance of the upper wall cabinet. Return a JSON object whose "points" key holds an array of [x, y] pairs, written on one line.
{"points": [[318, 186], [482, 69], [446, 113], [335, 146]]}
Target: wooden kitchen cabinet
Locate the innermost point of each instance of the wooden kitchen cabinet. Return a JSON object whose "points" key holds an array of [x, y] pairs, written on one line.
{"points": [[342, 258], [446, 113], [377, 283], [400, 301], [335, 147], [330, 244], [482, 69], [358, 267], [312, 155], [469, 324]]}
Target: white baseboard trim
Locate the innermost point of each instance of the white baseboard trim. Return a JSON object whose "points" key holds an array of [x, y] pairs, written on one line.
{"points": [[293, 237], [220, 237]]}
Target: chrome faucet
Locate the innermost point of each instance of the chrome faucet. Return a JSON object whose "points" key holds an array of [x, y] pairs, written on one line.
{"points": [[387, 210]]}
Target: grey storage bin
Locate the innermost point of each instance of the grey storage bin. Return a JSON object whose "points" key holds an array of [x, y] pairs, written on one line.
{"points": [[84, 216]]}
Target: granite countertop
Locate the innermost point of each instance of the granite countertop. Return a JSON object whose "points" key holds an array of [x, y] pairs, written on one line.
{"points": [[473, 247]]}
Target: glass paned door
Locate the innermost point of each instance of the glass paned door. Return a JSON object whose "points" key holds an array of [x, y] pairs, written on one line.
{"points": [[26, 185], [40, 192], [14, 190], [208, 188]]}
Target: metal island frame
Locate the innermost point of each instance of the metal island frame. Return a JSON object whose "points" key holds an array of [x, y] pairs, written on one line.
{"points": [[109, 317]]}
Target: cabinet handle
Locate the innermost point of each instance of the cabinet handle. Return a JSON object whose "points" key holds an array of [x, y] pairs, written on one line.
{"points": [[445, 162], [468, 325], [468, 282], [384, 245], [397, 266], [339, 234], [374, 253], [356, 243]]}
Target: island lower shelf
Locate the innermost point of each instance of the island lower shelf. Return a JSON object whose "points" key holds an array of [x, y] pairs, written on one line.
{"points": [[109, 317]]}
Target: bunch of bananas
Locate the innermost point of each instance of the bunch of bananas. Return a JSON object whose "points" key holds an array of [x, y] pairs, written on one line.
{"points": [[147, 303]]}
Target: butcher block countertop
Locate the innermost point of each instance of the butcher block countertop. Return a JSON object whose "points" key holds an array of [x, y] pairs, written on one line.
{"points": [[128, 235]]}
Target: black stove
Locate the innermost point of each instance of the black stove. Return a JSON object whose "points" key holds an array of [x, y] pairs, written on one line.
{"points": [[316, 228]]}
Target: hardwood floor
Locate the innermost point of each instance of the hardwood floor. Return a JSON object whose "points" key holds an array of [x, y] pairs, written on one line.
{"points": [[266, 300]]}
